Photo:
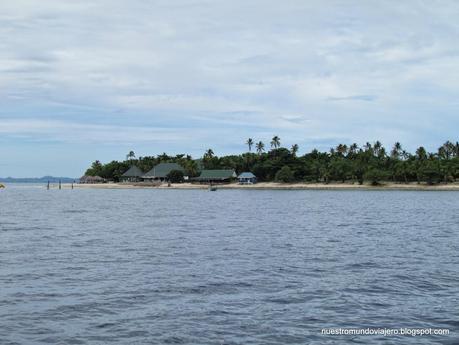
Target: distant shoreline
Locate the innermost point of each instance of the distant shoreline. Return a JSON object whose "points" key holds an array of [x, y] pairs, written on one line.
{"points": [[274, 186]]}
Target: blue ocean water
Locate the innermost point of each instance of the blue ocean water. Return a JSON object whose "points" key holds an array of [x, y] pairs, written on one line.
{"points": [[228, 267]]}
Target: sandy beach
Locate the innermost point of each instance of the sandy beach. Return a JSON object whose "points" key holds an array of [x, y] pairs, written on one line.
{"points": [[274, 186]]}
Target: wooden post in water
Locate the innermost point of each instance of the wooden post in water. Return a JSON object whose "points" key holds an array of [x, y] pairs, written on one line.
{"points": [[60, 187], [47, 187], [72, 184]]}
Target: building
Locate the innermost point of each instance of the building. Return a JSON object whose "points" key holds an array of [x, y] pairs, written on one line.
{"points": [[247, 178], [216, 176], [133, 174], [91, 179], [160, 171]]}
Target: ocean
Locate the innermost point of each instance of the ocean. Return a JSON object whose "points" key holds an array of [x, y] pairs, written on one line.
{"points": [[150, 266]]}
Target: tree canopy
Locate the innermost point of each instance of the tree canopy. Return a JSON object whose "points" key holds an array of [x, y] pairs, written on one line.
{"points": [[371, 163], [175, 176]]}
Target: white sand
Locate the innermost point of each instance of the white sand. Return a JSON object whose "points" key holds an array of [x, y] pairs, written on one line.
{"points": [[272, 185]]}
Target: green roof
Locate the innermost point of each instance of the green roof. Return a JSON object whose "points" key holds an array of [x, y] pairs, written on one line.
{"points": [[163, 169], [133, 171], [223, 174]]}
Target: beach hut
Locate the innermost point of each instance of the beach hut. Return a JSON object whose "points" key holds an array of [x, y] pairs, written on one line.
{"points": [[216, 176], [91, 179], [247, 178], [160, 171], [133, 174]]}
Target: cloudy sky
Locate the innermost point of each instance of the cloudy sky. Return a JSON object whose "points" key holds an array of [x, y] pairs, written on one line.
{"points": [[92, 79]]}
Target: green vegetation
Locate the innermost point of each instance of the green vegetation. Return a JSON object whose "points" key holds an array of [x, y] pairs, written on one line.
{"points": [[352, 164], [175, 176], [285, 175], [114, 169]]}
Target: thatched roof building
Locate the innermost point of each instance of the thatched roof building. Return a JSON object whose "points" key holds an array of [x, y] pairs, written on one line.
{"points": [[133, 171], [91, 179], [133, 174], [161, 171]]}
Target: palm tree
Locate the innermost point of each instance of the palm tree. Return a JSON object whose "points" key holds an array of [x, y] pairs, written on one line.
{"points": [[294, 149], [421, 153], [377, 148], [208, 154], [275, 142], [442, 152], [341, 149], [396, 150], [353, 149], [163, 157], [260, 147], [249, 143], [405, 155], [446, 150], [130, 155]]}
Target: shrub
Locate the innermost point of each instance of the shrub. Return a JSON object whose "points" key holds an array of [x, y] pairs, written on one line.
{"points": [[285, 175], [175, 176]]}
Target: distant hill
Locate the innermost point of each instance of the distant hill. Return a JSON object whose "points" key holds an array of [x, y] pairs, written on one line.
{"points": [[44, 179]]}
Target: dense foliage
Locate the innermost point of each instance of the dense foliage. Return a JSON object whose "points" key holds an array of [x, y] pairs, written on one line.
{"points": [[114, 169], [285, 174], [370, 163], [175, 176]]}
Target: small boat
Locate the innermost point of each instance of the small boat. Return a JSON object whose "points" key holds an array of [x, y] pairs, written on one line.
{"points": [[212, 188], [2, 185]]}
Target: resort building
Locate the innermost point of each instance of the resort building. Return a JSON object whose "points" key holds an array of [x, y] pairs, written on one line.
{"points": [[247, 178], [160, 171], [91, 179], [216, 176], [133, 174]]}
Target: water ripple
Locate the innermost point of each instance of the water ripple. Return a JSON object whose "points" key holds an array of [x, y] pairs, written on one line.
{"points": [[232, 267]]}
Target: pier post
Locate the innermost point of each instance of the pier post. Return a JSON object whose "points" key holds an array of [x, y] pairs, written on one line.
{"points": [[60, 186], [47, 186]]}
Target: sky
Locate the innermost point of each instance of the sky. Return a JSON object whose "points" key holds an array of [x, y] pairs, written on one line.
{"points": [[83, 80]]}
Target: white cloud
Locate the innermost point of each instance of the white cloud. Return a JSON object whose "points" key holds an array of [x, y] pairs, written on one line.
{"points": [[77, 133], [309, 70]]}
